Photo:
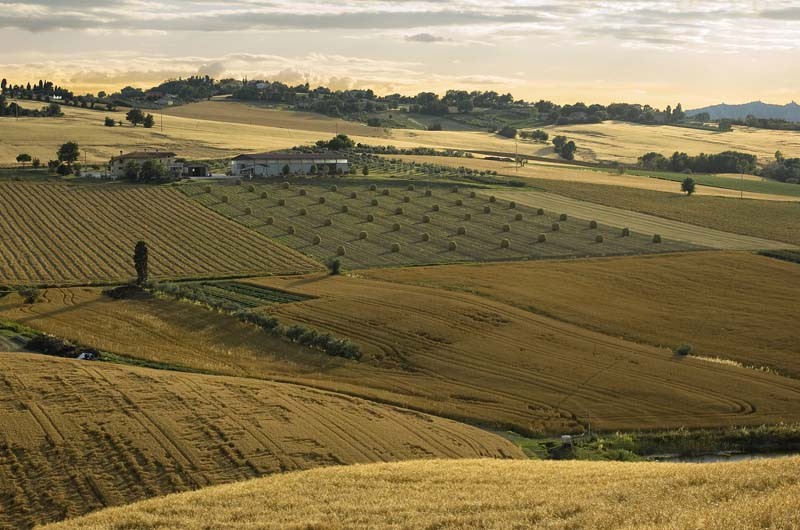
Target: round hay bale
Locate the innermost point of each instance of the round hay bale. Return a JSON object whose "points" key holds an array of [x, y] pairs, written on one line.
{"points": [[385, 192], [435, 208], [626, 232], [472, 195], [395, 247], [452, 245], [428, 193], [334, 188], [396, 227], [468, 217], [487, 209], [399, 210], [518, 217], [374, 202], [328, 222], [303, 211], [340, 251], [492, 198], [426, 219], [251, 188], [410, 187], [281, 202], [207, 189], [285, 185], [317, 239], [302, 192], [562, 217], [506, 228], [321, 200], [345, 209], [599, 239], [290, 230], [353, 195], [426, 236], [248, 211], [592, 224], [373, 187], [406, 199], [269, 220], [454, 189], [264, 195], [459, 202], [363, 235], [505, 243], [542, 238], [370, 218], [462, 230], [540, 211], [512, 205], [656, 238], [556, 227]]}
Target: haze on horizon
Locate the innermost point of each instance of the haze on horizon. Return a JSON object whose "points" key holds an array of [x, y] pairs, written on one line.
{"points": [[658, 52]]}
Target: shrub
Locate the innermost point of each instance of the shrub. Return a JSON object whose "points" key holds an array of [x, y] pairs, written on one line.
{"points": [[345, 209], [353, 195], [426, 236], [251, 188], [626, 232], [426, 219], [506, 228], [540, 211], [396, 227], [462, 230], [656, 238], [207, 189], [248, 211], [472, 195], [334, 188], [459, 202], [592, 224], [30, 295], [411, 187], [452, 245], [294, 332], [505, 243], [518, 217], [512, 205], [435, 208], [599, 239], [373, 187], [281, 202], [225, 198], [321, 200], [468, 217], [399, 210], [264, 195], [363, 235], [487, 209], [492, 198], [302, 192], [374, 202], [290, 230], [542, 238], [328, 222], [269, 220], [395, 247], [385, 192], [50, 345], [406, 199], [556, 227], [683, 349], [340, 251], [428, 193], [285, 185], [562, 217], [317, 240], [303, 211]]}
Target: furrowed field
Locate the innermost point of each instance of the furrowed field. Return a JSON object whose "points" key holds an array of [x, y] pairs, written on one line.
{"points": [[77, 437], [384, 224], [492, 495], [60, 234]]}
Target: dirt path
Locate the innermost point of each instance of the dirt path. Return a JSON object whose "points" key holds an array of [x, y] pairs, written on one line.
{"points": [[640, 222]]}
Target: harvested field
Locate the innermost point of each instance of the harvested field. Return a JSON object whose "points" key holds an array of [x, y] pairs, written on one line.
{"points": [[319, 218], [452, 354], [61, 234], [79, 436], [491, 495], [736, 306]]}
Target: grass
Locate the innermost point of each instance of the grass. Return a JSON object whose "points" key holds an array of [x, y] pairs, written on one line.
{"points": [[753, 297], [240, 295], [79, 436], [792, 256], [60, 234], [394, 232], [728, 182], [492, 495]]}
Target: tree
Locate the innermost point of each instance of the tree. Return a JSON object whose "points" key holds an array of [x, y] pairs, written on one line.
{"points": [[568, 151], [779, 157], [109, 122], [334, 267], [135, 116], [37, 163], [365, 171], [725, 125], [68, 153], [152, 170], [286, 170], [148, 121], [687, 186], [508, 131], [132, 171], [140, 259], [23, 158], [558, 143]]}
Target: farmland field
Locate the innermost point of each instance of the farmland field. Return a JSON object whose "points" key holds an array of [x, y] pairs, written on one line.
{"points": [[660, 300], [60, 234], [493, 495], [298, 215], [78, 436]]}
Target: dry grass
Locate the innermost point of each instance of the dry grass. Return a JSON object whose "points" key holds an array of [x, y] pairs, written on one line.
{"points": [[490, 495], [79, 436], [56, 233], [736, 306]]}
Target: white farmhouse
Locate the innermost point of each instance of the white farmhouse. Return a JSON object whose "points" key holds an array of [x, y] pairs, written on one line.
{"points": [[274, 164]]}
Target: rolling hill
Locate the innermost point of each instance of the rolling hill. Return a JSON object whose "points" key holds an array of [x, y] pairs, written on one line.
{"points": [[490, 495], [759, 109]]}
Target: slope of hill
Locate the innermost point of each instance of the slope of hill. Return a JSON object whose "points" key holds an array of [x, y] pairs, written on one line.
{"points": [[490, 495], [77, 436], [759, 109], [55, 233]]}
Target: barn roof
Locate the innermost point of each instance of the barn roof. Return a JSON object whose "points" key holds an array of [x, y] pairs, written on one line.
{"points": [[289, 156]]}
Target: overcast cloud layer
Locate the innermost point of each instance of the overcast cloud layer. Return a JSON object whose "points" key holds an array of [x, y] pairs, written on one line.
{"points": [[653, 51]]}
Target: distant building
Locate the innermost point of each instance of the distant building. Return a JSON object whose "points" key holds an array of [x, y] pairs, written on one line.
{"points": [[167, 159], [273, 164], [194, 170]]}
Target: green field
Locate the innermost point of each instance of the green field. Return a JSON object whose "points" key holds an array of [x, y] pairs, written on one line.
{"points": [[238, 295], [728, 182], [389, 224]]}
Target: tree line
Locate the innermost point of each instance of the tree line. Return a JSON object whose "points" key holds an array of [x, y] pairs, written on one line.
{"points": [[725, 162]]}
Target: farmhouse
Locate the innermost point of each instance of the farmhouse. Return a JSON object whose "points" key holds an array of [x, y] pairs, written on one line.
{"points": [[167, 159], [274, 164]]}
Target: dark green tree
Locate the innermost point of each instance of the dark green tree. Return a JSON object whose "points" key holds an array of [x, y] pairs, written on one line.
{"points": [[148, 121], [109, 122], [152, 170], [568, 150], [688, 185], [140, 261], [23, 158], [68, 153], [135, 116]]}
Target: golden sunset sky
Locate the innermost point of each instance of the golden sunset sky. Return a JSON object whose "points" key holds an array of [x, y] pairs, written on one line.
{"points": [[656, 52]]}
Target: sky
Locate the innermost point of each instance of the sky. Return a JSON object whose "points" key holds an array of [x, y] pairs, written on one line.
{"points": [[697, 52]]}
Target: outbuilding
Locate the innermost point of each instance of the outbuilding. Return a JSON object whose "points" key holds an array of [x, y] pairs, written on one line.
{"points": [[277, 164]]}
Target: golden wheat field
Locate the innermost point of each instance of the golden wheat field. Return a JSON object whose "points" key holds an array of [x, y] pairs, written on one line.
{"points": [[662, 300], [57, 233], [79, 436], [485, 494]]}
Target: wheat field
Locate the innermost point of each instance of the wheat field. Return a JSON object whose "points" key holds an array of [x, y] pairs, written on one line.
{"points": [[485, 494], [60, 234], [78, 436]]}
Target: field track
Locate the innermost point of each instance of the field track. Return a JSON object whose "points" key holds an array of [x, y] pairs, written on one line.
{"points": [[78, 436], [641, 222], [61, 234], [487, 495]]}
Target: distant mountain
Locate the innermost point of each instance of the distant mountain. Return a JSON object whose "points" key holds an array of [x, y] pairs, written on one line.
{"points": [[788, 112]]}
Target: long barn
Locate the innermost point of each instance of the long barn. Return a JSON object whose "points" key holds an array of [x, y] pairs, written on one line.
{"points": [[276, 164]]}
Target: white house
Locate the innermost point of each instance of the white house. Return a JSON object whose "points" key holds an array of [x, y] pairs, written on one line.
{"points": [[274, 164], [167, 159]]}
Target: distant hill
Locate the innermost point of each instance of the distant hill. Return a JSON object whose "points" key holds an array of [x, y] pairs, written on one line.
{"points": [[759, 109]]}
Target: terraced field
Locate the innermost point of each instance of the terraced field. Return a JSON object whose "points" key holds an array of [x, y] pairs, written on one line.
{"points": [[452, 354], [61, 234], [375, 225], [79, 436]]}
